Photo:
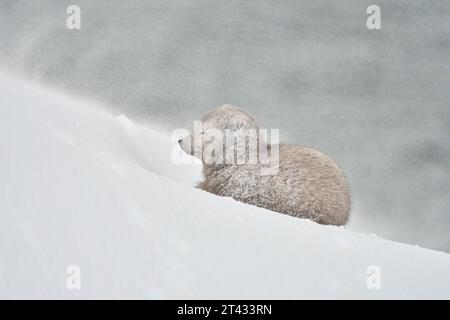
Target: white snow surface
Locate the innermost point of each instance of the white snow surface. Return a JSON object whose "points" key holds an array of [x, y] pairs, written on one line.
{"points": [[81, 187]]}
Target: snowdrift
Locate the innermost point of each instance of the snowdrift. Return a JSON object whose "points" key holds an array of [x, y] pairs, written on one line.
{"points": [[81, 187]]}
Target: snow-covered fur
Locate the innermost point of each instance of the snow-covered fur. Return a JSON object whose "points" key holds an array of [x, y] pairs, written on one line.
{"points": [[308, 184]]}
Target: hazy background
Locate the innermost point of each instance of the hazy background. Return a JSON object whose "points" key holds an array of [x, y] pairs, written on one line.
{"points": [[376, 101]]}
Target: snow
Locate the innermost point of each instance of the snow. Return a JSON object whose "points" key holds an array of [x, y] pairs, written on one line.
{"points": [[81, 187]]}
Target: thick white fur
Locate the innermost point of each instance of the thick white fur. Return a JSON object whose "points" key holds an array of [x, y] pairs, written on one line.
{"points": [[308, 183]]}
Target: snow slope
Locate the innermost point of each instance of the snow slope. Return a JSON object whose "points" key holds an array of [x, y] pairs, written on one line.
{"points": [[81, 187]]}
